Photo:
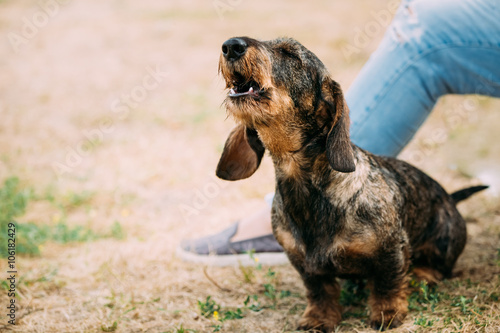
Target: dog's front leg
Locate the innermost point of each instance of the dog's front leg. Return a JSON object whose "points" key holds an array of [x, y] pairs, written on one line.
{"points": [[389, 289], [323, 312]]}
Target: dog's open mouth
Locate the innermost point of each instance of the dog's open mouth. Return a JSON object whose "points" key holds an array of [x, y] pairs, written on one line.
{"points": [[245, 88]]}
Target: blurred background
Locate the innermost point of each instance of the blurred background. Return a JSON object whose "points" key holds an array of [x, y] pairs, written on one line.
{"points": [[111, 128]]}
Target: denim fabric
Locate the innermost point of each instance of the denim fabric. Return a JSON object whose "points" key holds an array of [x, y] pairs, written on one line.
{"points": [[431, 48]]}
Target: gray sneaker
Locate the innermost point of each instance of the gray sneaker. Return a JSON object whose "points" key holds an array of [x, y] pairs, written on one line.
{"points": [[218, 250]]}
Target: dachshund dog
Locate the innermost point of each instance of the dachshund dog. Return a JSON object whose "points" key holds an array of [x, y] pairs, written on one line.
{"points": [[338, 211]]}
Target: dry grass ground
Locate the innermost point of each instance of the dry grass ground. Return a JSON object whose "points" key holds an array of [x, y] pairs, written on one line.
{"points": [[92, 161]]}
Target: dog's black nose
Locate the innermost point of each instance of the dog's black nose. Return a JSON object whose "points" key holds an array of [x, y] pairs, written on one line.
{"points": [[234, 48]]}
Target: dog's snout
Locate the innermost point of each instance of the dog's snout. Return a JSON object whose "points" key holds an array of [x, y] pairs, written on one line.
{"points": [[234, 48]]}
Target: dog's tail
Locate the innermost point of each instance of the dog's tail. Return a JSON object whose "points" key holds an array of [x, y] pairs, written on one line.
{"points": [[467, 192]]}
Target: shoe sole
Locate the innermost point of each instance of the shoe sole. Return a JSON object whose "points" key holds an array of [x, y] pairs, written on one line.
{"points": [[234, 260]]}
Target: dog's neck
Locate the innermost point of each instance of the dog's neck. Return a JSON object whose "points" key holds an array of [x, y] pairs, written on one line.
{"points": [[294, 156], [279, 140], [303, 161], [306, 169]]}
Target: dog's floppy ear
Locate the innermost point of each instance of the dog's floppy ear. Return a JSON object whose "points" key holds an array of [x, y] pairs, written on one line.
{"points": [[242, 154], [338, 143]]}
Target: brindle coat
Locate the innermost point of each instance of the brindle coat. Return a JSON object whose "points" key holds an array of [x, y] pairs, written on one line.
{"points": [[338, 211]]}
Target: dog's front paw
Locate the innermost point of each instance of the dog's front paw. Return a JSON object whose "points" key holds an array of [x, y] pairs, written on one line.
{"points": [[387, 320], [316, 319], [390, 309], [314, 325]]}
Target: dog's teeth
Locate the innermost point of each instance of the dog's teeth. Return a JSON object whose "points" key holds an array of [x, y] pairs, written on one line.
{"points": [[232, 92], [250, 90]]}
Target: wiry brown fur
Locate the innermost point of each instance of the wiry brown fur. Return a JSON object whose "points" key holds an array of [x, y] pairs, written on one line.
{"points": [[338, 210]]}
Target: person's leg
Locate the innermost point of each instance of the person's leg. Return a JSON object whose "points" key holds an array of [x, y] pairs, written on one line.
{"points": [[255, 225], [430, 49]]}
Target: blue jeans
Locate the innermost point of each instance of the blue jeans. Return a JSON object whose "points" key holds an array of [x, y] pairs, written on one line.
{"points": [[431, 48]]}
